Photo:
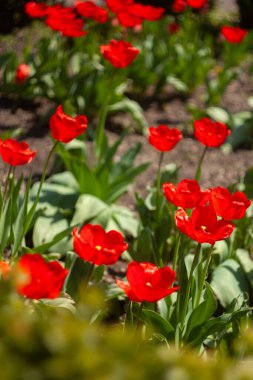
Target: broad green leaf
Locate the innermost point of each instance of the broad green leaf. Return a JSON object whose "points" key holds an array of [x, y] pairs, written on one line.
{"points": [[157, 322], [246, 263], [229, 282], [218, 114], [203, 312], [48, 228], [87, 207], [216, 326]]}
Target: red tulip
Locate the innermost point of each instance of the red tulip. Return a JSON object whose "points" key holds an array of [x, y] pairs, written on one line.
{"points": [[164, 138], [187, 194], [146, 12], [131, 14], [196, 3], [16, 153], [95, 245], [128, 20], [173, 28], [116, 6], [147, 282], [88, 9], [36, 10], [65, 128], [179, 6], [229, 206], [22, 73], [203, 226], [119, 53], [65, 21], [210, 133], [233, 34], [39, 279]]}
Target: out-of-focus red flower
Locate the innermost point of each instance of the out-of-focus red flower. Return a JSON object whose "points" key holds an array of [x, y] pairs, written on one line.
{"points": [[16, 153], [179, 6], [131, 14], [65, 128], [147, 282], [197, 3], [128, 20], [95, 245], [5, 269], [88, 9], [210, 133], [35, 10], [203, 226], [164, 138], [233, 34], [119, 53], [227, 205], [116, 6], [22, 73], [39, 279], [65, 21], [187, 194], [173, 27], [146, 12]]}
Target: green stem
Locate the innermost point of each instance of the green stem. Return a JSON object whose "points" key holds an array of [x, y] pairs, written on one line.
{"points": [[176, 252], [158, 180], [32, 210], [138, 322], [88, 277], [208, 260], [6, 185], [189, 284], [102, 117], [198, 171]]}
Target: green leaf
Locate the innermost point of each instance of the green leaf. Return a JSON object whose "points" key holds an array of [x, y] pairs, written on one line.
{"points": [[133, 108], [218, 114], [50, 228], [56, 239], [246, 263], [143, 250], [203, 312], [229, 283], [19, 227], [157, 322], [87, 207], [216, 326]]}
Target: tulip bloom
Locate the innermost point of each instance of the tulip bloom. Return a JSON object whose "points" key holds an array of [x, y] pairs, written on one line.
{"points": [[65, 21], [203, 226], [210, 133], [173, 28], [119, 53], [36, 10], [95, 245], [233, 34], [131, 14], [22, 73], [39, 279], [65, 128], [88, 9], [187, 194], [16, 153], [227, 205], [164, 138], [147, 282], [179, 6], [196, 3]]}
